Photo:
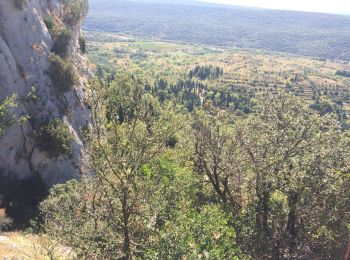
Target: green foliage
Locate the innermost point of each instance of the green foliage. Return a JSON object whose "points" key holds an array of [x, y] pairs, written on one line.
{"points": [[205, 183], [55, 138], [20, 4], [61, 43], [172, 141], [82, 44], [50, 24], [62, 74], [198, 234], [273, 166], [206, 72], [6, 117]]}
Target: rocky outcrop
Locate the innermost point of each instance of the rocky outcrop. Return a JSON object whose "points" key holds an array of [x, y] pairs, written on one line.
{"points": [[25, 46]]}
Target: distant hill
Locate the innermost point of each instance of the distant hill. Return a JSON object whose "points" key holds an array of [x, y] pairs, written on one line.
{"points": [[311, 34]]}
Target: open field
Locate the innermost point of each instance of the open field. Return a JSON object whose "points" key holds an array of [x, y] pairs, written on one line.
{"points": [[253, 71]]}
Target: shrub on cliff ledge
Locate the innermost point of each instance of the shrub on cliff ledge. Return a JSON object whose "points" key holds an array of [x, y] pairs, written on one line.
{"points": [[50, 24], [55, 138], [82, 44], [62, 42], [62, 73]]}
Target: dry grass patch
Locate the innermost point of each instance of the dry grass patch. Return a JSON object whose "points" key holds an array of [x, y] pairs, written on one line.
{"points": [[23, 246]]}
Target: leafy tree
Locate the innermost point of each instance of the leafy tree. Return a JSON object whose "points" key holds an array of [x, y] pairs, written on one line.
{"points": [[118, 198], [215, 152], [197, 234], [282, 168]]}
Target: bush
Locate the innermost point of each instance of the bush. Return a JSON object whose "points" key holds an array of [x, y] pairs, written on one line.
{"points": [[55, 138], [62, 73], [50, 24], [82, 44], [172, 141], [62, 42], [196, 233], [20, 4]]}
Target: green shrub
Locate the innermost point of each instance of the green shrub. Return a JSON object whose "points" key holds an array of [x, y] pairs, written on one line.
{"points": [[172, 141], [62, 73], [62, 42], [82, 44], [55, 138], [50, 24], [6, 116], [20, 4]]}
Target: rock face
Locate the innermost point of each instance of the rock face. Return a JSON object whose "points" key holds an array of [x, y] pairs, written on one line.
{"points": [[25, 44]]}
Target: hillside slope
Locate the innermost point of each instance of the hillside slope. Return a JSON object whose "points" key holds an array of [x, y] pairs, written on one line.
{"points": [[310, 34], [25, 48]]}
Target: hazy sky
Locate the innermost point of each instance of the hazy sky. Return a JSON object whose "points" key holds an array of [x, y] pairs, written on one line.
{"points": [[328, 6]]}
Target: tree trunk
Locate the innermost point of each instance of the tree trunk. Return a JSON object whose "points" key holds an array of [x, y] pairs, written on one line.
{"points": [[126, 246], [347, 254], [265, 206], [291, 224]]}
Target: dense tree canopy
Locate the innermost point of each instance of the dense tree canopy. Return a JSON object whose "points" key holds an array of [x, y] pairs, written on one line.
{"points": [[271, 184]]}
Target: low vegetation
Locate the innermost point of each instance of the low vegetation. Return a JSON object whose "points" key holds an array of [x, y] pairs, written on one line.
{"points": [[50, 24], [19, 245], [55, 138], [7, 117], [246, 75], [82, 44], [62, 74], [62, 41]]}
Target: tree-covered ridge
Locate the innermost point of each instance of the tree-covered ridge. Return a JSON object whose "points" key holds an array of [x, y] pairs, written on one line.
{"points": [[222, 25]]}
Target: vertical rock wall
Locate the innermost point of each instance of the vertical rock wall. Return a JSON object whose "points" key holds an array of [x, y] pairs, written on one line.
{"points": [[25, 45]]}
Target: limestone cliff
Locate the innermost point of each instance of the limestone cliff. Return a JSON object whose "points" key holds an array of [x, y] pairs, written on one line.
{"points": [[25, 47]]}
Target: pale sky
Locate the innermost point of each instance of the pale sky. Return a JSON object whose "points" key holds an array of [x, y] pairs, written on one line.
{"points": [[325, 6]]}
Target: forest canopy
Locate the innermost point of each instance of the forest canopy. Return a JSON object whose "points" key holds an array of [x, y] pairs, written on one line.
{"points": [[273, 183]]}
